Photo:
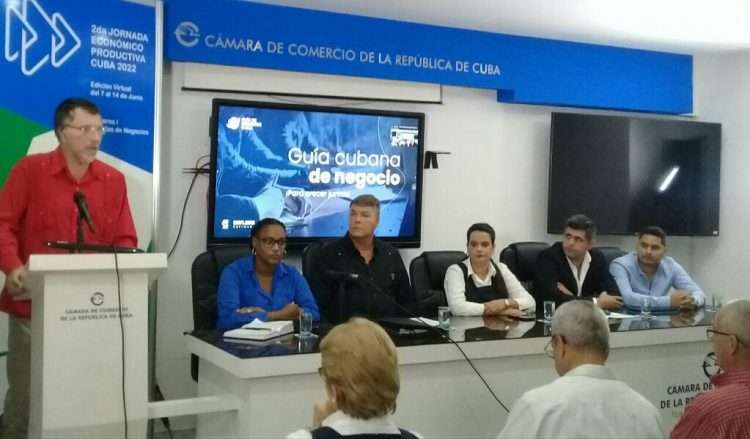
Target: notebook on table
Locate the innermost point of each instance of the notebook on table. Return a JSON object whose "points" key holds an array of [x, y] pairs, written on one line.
{"points": [[260, 330]]}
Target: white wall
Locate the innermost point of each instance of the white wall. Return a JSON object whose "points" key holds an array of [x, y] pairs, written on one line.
{"points": [[497, 172], [722, 94]]}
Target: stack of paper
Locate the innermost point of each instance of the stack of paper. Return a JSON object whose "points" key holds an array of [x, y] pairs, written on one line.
{"points": [[260, 330], [426, 321]]}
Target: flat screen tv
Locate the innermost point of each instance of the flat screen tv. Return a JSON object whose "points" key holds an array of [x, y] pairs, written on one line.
{"points": [[304, 164], [628, 172]]}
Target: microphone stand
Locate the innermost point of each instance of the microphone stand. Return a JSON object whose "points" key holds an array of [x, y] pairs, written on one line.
{"points": [[80, 246], [79, 234]]}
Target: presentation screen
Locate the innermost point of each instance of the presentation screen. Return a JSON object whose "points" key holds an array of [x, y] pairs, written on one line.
{"points": [[304, 164]]}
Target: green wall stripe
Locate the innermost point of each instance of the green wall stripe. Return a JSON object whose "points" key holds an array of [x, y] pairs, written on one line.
{"points": [[17, 134]]}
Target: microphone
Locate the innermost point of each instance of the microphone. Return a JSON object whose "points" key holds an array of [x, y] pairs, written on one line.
{"points": [[340, 275], [83, 209]]}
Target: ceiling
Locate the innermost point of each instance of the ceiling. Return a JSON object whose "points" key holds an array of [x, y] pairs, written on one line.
{"points": [[681, 26]]}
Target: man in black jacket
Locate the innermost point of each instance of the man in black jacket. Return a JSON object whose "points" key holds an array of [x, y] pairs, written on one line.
{"points": [[572, 269], [365, 268]]}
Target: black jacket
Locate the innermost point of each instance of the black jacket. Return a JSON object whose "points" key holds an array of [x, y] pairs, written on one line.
{"points": [[552, 267], [385, 275]]}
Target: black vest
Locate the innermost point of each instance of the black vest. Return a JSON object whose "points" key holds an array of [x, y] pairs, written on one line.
{"points": [[476, 294], [330, 433]]}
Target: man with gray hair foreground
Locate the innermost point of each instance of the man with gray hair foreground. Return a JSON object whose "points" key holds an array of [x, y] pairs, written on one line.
{"points": [[586, 401], [724, 412]]}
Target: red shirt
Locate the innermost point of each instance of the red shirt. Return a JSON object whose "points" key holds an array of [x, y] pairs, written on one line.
{"points": [[721, 413], [36, 206]]}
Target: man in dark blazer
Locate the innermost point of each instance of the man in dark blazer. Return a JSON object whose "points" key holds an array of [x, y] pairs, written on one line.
{"points": [[572, 269]]}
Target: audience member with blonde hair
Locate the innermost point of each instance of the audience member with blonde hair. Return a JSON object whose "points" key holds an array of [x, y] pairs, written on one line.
{"points": [[360, 371]]}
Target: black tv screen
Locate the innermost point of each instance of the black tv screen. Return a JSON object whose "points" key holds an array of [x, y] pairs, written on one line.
{"points": [[304, 164], [627, 173]]}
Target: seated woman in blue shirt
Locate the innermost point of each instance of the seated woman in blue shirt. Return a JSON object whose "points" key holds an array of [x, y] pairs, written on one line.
{"points": [[260, 285]]}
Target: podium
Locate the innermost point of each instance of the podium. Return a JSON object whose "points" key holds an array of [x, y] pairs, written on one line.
{"points": [[77, 349]]}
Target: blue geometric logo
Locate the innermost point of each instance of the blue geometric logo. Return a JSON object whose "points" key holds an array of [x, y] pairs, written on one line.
{"points": [[36, 37]]}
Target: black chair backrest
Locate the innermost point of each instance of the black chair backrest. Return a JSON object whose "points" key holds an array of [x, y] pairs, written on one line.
{"points": [[205, 274], [310, 256], [427, 273], [611, 253], [520, 257], [310, 267]]}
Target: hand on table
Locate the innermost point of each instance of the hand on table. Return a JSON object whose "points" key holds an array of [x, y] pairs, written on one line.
{"points": [[683, 300], [606, 301], [290, 312], [508, 307]]}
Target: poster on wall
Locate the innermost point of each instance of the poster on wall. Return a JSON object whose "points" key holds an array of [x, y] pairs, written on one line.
{"points": [[105, 52]]}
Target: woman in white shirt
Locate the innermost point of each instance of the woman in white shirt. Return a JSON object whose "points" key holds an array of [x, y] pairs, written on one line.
{"points": [[473, 287]]}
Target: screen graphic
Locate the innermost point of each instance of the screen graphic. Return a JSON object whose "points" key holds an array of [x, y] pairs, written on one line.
{"points": [[303, 166]]}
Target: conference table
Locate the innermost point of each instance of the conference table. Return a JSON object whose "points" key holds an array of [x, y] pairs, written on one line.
{"points": [[269, 388]]}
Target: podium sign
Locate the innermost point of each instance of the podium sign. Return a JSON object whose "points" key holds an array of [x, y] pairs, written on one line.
{"points": [[77, 345]]}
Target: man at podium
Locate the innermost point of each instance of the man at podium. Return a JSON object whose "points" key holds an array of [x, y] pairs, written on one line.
{"points": [[46, 198]]}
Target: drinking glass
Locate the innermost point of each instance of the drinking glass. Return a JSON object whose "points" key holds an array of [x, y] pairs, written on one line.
{"points": [[305, 324], [549, 310], [444, 317]]}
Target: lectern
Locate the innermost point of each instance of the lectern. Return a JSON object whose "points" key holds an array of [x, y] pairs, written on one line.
{"points": [[77, 350]]}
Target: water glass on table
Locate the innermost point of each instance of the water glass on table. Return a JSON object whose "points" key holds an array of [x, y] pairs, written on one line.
{"points": [[305, 324], [444, 317], [715, 302], [549, 310], [647, 305]]}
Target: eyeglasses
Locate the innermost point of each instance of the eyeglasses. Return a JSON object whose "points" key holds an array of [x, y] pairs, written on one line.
{"points": [[711, 331], [88, 129], [271, 243]]}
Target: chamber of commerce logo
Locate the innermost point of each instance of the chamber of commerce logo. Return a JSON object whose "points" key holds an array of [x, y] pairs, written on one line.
{"points": [[36, 37], [710, 367], [187, 33], [97, 298]]}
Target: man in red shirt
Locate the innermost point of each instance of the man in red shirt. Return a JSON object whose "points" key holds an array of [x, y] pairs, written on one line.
{"points": [[724, 412], [36, 206]]}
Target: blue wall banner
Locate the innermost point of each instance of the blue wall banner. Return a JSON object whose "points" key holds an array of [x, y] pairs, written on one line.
{"points": [[103, 51], [522, 69]]}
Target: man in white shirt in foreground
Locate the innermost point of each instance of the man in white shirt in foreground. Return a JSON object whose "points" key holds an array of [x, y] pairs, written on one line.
{"points": [[587, 401]]}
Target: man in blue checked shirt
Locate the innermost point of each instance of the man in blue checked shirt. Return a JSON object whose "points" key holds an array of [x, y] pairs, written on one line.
{"points": [[648, 272], [260, 285]]}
